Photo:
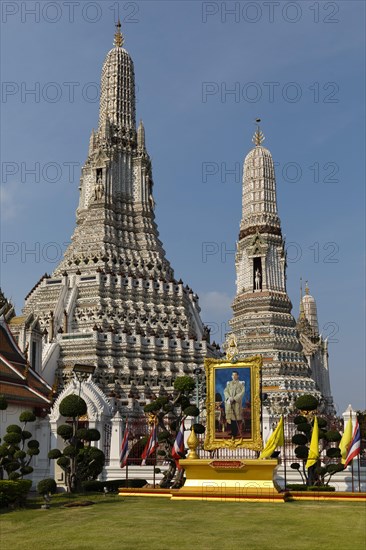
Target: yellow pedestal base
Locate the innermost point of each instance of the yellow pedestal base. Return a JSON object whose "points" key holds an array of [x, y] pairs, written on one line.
{"points": [[229, 480]]}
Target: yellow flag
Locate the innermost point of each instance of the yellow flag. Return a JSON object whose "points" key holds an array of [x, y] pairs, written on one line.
{"points": [[276, 439], [314, 446], [346, 440]]}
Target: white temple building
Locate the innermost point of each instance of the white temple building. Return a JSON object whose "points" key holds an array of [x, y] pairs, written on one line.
{"points": [[315, 347], [262, 321], [113, 302]]}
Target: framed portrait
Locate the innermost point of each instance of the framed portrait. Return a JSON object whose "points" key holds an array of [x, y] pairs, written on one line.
{"points": [[233, 404]]}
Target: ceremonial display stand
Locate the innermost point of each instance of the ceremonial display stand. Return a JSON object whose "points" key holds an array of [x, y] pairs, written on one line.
{"points": [[226, 479], [229, 480], [233, 422]]}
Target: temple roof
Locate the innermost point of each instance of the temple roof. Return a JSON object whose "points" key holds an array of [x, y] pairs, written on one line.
{"points": [[18, 382]]}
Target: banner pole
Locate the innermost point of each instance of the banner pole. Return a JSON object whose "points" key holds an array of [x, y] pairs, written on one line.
{"points": [[154, 466], [353, 484], [284, 450]]}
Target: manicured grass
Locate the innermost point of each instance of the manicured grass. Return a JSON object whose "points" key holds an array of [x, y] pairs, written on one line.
{"points": [[135, 523]]}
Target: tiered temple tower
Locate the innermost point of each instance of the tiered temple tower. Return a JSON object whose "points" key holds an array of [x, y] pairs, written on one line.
{"points": [[113, 302], [314, 345], [262, 322]]}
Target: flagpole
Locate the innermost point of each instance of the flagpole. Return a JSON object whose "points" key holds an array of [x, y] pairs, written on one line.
{"points": [[155, 451], [154, 466], [284, 451], [126, 427], [353, 485], [358, 459], [154, 460]]}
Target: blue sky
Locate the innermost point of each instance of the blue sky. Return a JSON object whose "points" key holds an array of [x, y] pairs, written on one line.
{"points": [[297, 65]]}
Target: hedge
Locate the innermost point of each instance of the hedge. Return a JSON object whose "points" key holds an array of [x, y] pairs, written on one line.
{"points": [[14, 492], [114, 484], [92, 486]]}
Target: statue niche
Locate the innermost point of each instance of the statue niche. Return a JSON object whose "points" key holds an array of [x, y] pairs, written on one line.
{"points": [[99, 188], [257, 274]]}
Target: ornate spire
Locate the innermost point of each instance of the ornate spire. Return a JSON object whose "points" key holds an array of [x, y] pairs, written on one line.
{"points": [[259, 201], [141, 135], [310, 309], [258, 137], [118, 36], [117, 94], [301, 312]]}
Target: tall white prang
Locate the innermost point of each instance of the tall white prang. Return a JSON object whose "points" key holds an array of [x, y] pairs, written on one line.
{"points": [[113, 301], [262, 322]]}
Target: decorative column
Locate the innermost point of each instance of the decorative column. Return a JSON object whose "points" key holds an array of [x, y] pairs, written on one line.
{"points": [[42, 463], [116, 440]]}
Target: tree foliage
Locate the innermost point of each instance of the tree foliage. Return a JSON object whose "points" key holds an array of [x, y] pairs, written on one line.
{"points": [[170, 411], [15, 454], [73, 406], [333, 436], [3, 403], [329, 457], [47, 486], [184, 384], [306, 403], [27, 416], [80, 461]]}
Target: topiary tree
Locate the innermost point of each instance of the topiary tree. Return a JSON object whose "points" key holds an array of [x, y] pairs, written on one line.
{"points": [[73, 405], [307, 403], [169, 412], [47, 486], [80, 461], [15, 452], [329, 459]]}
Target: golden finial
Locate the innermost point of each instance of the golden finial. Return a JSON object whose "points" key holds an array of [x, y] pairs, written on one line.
{"points": [[232, 348], [118, 36], [258, 137], [306, 288], [192, 443]]}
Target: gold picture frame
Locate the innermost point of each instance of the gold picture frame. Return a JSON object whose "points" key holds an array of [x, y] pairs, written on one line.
{"points": [[233, 403]]}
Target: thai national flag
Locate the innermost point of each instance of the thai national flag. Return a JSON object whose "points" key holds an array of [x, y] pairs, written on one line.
{"points": [[150, 447], [355, 445], [178, 447], [124, 448]]}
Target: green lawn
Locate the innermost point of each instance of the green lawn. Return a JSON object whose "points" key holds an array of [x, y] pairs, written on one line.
{"points": [[133, 523]]}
